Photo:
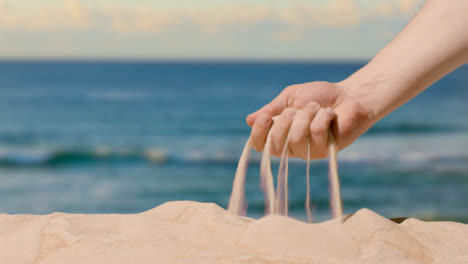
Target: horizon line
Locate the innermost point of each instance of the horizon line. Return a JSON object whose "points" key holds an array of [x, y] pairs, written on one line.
{"points": [[180, 60]]}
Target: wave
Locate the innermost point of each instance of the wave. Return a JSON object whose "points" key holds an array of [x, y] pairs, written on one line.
{"points": [[399, 128], [64, 157], [27, 158], [410, 128], [27, 137]]}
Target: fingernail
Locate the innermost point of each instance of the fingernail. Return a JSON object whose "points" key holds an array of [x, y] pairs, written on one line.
{"points": [[330, 110]]}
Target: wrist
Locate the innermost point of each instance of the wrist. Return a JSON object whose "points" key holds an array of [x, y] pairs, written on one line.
{"points": [[362, 90]]}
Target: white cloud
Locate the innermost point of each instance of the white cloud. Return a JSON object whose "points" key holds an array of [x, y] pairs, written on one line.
{"points": [[338, 13], [72, 15], [214, 18], [75, 15], [138, 20]]}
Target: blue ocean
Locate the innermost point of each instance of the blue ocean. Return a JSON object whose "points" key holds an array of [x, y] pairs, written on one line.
{"points": [[126, 136]]}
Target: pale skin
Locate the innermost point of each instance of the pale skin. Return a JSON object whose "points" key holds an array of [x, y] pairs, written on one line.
{"points": [[432, 45]]}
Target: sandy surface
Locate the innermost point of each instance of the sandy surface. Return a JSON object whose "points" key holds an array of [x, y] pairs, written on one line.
{"points": [[190, 232]]}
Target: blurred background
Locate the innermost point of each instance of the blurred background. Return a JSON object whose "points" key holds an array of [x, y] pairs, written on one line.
{"points": [[119, 106]]}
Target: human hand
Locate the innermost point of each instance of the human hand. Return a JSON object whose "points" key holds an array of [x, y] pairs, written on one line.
{"points": [[307, 111]]}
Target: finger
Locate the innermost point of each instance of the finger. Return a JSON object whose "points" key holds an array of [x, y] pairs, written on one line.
{"points": [[275, 107], [280, 130], [299, 132], [319, 133], [251, 118], [259, 132]]}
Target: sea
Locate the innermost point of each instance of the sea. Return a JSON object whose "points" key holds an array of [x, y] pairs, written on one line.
{"points": [[116, 136]]}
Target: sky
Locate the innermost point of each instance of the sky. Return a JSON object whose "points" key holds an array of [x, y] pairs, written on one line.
{"points": [[201, 29]]}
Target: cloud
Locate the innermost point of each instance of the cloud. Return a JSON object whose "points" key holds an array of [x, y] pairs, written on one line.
{"points": [[138, 20], [79, 14], [338, 13], [341, 13], [74, 15], [214, 18]]}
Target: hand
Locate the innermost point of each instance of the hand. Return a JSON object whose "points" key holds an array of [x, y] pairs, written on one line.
{"points": [[308, 111]]}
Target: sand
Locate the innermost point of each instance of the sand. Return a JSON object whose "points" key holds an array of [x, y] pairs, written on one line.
{"points": [[277, 203], [191, 232]]}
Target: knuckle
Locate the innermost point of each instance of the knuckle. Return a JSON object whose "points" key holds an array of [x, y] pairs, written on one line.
{"points": [[312, 106], [289, 112], [289, 88], [330, 114], [302, 116], [266, 108], [282, 126]]}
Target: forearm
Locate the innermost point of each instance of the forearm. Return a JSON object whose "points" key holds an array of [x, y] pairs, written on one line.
{"points": [[433, 44]]}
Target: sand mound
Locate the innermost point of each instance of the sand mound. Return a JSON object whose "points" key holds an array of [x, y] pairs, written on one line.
{"points": [[190, 232]]}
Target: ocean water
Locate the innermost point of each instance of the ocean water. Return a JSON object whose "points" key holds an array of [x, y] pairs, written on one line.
{"points": [[126, 136]]}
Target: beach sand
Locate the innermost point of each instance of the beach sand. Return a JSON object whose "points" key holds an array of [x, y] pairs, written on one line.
{"points": [[191, 232]]}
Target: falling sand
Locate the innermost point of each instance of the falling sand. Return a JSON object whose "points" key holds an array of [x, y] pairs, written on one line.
{"points": [[278, 203], [191, 232]]}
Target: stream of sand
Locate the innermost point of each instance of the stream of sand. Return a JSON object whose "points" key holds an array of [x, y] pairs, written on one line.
{"points": [[277, 202]]}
